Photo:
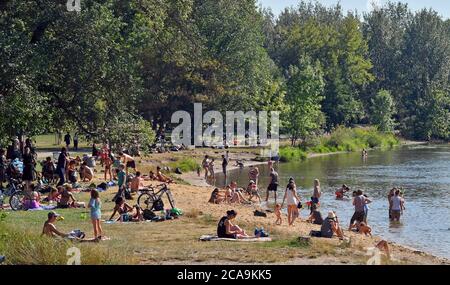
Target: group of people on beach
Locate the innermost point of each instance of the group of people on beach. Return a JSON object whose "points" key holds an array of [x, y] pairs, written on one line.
{"points": [[330, 225]]}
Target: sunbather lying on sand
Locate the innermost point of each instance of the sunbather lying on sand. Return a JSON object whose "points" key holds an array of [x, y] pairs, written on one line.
{"points": [[161, 177]]}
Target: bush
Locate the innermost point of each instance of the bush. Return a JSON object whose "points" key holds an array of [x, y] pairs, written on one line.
{"points": [[185, 164], [342, 139], [288, 154]]}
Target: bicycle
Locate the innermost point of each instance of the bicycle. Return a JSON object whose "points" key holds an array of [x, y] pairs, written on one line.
{"points": [[15, 193], [149, 199]]}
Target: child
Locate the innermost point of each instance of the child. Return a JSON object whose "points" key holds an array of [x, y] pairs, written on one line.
{"points": [[279, 221], [95, 206], [53, 196], [121, 177]]}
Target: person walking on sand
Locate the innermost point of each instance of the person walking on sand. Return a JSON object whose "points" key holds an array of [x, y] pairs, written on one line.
{"points": [[278, 214], [96, 214], [273, 185], [292, 202]]}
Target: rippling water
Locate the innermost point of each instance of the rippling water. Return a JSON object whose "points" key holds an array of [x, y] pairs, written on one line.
{"points": [[423, 172]]}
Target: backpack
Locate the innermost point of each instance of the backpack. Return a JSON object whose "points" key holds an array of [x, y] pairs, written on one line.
{"points": [[102, 186], [158, 205], [148, 214], [260, 214], [127, 193]]}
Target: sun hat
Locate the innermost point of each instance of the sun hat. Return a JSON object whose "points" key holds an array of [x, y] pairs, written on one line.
{"points": [[331, 215], [251, 181], [52, 214]]}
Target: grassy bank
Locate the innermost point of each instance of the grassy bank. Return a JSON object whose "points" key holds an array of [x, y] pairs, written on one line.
{"points": [[341, 139], [28, 247]]}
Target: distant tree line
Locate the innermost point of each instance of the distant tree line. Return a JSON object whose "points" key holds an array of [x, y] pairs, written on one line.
{"points": [[133, 63]]}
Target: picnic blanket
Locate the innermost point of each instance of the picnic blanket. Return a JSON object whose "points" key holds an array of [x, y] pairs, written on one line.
{"points": [[44, 208], [250, 239]]}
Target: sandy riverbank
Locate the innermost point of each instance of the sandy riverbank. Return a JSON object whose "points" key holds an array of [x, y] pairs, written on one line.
{"points": [[404, 253]]}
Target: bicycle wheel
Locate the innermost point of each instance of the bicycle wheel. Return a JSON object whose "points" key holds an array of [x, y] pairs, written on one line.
{"points": [[16, 201], [146, 201]]}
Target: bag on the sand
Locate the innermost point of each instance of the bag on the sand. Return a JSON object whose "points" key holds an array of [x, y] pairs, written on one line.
{"points": [[148, 214], [158, 205], [102, 186], [260, 214], [315, 233], [127, 194]]}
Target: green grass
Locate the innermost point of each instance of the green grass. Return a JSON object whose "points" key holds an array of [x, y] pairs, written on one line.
{"points": [[28, 247], [48, 141], [185, 164], [341, 139], [288, 154]]}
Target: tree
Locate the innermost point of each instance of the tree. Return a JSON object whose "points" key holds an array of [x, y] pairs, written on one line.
{"points": [[305, 89], [426, 59], [382, 111]]}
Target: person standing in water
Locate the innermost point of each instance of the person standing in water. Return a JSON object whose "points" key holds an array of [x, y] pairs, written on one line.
{"points": [[316, 192], [273, 185], [397, 206], [224, 166]]}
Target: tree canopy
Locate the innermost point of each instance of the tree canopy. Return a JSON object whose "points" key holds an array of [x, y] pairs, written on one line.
{"points": [[134, 63]]}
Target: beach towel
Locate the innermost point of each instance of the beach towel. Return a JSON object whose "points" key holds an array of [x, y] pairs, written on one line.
{"points": [[250, 239], [44, 208]]}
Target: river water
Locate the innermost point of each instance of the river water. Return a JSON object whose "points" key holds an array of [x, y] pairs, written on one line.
{"points": [[423, 171]]}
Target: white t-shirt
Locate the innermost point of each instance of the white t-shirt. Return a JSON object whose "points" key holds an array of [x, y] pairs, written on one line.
{"points": [[396, 203]]}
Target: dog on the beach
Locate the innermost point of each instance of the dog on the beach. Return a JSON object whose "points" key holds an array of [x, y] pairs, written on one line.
{"points": [[365, 229]]}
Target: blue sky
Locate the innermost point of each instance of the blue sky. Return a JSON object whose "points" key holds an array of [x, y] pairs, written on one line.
{"points": [[442, 6]]}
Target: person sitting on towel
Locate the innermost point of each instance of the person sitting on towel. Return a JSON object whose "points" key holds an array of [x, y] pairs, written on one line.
{"points": [[226, 228]]}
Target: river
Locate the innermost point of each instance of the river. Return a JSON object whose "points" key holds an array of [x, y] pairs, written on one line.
{"points": [[422, 170]]}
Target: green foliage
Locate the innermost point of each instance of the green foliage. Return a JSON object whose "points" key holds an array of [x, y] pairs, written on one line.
{"points": [[382, 110], [288, 154], [305, 88], [122, 61], [185, 164], [128, 131], [341, 139]]}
